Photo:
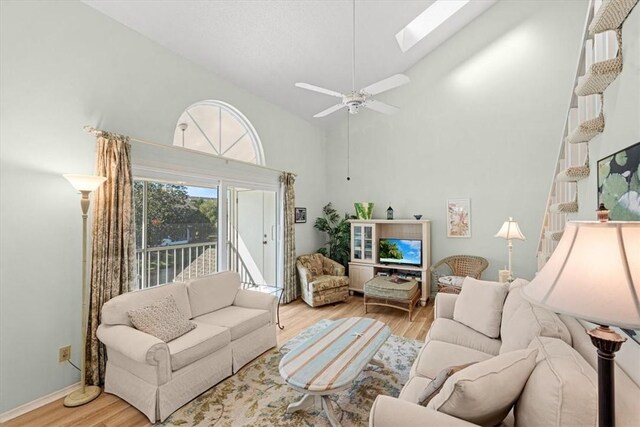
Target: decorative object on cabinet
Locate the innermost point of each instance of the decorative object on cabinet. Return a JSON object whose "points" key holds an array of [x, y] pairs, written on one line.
{"points": [[459, 218], [85, 184], [364, 210], [418, 216], [322, 280], [509, 231], [589, 256], [338, 233], [619, 184], [301, 215], [389, 212], [449, 272], [366, 264]]}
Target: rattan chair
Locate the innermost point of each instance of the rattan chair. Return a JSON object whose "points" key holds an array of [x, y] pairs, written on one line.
{"points": [[458, 265]]}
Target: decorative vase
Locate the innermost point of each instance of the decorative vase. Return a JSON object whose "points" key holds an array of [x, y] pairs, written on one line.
{"points": [[364, 210], [417, 217]]}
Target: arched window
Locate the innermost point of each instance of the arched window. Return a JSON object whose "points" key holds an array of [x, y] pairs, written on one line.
{"points": [[215, 127]]}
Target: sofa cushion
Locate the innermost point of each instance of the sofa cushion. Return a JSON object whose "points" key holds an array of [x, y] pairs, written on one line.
{"points": [[240, 320], [212, 292], [453, 332], [522, 321], [162, 319], [202, 341], [323, 283], [561, 390], [479, 305], [115, 311], [412, 389], [438, 355], [466, 394]]}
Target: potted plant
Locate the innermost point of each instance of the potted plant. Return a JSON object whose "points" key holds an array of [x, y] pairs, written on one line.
{"points": [[338, 232]]}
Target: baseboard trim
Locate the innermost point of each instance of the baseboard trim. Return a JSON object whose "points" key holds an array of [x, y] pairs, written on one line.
{"points": [[35, 404]]}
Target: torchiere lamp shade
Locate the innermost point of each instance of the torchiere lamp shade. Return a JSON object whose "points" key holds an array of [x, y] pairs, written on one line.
{"points": [[85, 182], [594, 274]]}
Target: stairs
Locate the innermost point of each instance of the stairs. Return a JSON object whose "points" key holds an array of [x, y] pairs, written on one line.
{"points": [[600, 64]]}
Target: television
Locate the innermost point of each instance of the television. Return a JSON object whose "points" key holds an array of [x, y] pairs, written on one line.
{"points": [[401, 251]]}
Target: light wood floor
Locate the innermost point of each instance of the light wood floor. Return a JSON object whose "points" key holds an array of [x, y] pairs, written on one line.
{"points": [[108, 410]]}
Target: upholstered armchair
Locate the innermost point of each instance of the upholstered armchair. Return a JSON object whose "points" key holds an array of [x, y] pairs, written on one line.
{"points": [[322, 280]]}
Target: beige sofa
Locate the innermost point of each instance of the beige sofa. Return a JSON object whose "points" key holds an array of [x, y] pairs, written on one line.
{"points": [[233, 327], [561, 390]]}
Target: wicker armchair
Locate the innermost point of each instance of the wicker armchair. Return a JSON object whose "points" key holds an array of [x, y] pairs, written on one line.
{"points": [[322, 280], [458, 265]]}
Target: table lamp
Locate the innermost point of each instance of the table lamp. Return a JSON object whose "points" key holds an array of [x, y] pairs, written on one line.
{"points": [[594, 274], [510, 231], [85, 184]]}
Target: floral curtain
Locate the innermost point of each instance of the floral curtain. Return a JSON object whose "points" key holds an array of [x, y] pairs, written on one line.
{"points": [[291, 291], [113, 248]]}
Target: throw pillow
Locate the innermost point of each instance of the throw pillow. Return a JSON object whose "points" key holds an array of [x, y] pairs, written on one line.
{"points": [[479, 305], [484, 393], [451, 281], [435, 386], [162, 319]]}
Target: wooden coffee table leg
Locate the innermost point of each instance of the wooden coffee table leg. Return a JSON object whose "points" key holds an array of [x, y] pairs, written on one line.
{"points": [[307, 401], [328, 409]]}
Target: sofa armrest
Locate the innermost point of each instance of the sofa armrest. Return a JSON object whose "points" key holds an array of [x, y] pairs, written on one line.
{"points": [[444, 305], [254, 299], [135, 344], [332, 268], [392, 412]]}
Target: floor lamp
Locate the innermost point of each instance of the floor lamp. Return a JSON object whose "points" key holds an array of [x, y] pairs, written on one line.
{"points": [[85, 184], [510, 231], [594, 274]]}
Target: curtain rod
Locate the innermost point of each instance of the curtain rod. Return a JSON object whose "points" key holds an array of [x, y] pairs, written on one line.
{"points": [[99, 132]]}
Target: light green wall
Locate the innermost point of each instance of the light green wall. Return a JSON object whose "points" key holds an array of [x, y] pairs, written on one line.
{"points": [[64, 65], [482, 119]]}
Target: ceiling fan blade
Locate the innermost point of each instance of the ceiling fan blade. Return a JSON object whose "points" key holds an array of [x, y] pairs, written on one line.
{"points": [[330, 110], [386, 84], [381, 107], [319, 89]]}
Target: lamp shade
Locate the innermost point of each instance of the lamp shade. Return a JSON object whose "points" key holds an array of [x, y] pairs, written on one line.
{"points": [[85, 182], [510, 230], [594, 274]]}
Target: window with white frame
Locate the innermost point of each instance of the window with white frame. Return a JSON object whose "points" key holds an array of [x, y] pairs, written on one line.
{"points": [[218, 128]]}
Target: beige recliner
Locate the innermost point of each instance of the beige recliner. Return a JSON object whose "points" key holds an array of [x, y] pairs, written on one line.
{"points": [[322, 280]]}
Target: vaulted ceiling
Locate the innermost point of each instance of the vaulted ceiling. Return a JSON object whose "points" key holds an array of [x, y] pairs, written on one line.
{"points": [[267, 46]]}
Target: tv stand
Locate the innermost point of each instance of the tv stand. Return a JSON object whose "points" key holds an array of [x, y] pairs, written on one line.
{"points": [[365, 265]]}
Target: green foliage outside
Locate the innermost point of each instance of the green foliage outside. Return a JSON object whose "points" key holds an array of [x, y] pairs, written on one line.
{"points": [[173, 215], [338, 232], [389, 250]]}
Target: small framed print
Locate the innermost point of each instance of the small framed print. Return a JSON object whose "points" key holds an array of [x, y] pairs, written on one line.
{"points": [[459, 218], [301, 215]]}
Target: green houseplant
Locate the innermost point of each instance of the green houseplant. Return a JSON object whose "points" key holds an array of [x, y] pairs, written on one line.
{"points": [[338, 232]]}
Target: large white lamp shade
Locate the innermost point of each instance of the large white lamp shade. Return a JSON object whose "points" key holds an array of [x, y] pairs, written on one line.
{"points": [[85, 182], [594, 274]]}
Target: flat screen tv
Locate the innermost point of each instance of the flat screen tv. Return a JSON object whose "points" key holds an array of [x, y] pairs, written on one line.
{"points": [[401, 251]]}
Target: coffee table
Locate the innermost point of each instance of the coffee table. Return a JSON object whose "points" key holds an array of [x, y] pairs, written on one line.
{"points": [[331, 360]]}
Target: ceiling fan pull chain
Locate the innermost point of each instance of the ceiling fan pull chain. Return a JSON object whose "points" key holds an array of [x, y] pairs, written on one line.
{"points": [[353, 50], [348, 146]]}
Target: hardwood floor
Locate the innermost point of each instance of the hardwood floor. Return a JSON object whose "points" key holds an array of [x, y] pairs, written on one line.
{"points": [[108, 410]]}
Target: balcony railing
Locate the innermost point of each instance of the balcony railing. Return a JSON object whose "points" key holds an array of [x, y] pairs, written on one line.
{"points": [[163, 264]]}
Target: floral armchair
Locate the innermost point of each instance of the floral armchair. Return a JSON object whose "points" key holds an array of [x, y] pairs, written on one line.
{"points": [[322, 280]]}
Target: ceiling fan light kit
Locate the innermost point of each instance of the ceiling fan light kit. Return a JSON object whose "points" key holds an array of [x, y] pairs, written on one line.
{"points": [[359, 98]]}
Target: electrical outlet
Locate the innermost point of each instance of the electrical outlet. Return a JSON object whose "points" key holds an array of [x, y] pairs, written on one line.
{"points": [[64, 353]]}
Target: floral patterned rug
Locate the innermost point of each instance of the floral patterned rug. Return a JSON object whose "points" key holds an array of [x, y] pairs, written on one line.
{"points": [[258, 396]]}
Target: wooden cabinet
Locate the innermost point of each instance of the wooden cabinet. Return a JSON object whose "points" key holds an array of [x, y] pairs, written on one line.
{"points": [[365, 262], [362, 243], [358, 275]]}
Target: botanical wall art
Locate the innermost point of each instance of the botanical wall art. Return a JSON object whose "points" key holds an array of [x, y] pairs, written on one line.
{"points": [[458, 218], [619, 184]]}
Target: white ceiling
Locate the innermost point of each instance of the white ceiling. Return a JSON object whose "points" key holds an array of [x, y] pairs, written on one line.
{"points": [[267, 46]]}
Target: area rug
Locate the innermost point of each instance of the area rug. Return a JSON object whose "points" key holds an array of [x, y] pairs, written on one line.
{"points": [[258, 396]]}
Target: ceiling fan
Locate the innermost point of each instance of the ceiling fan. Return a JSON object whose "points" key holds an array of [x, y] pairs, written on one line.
{"points": [[363, 97]]}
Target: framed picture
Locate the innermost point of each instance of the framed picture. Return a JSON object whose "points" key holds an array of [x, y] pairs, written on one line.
{"points": [[459, 218], [619, 184], [301, 215]]}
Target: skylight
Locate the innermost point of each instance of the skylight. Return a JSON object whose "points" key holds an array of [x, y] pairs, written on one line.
{"points": [[427, 21]]}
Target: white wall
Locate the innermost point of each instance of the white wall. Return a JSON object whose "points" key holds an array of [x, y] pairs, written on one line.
{"points": [[64, 65], [481, 119]]}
